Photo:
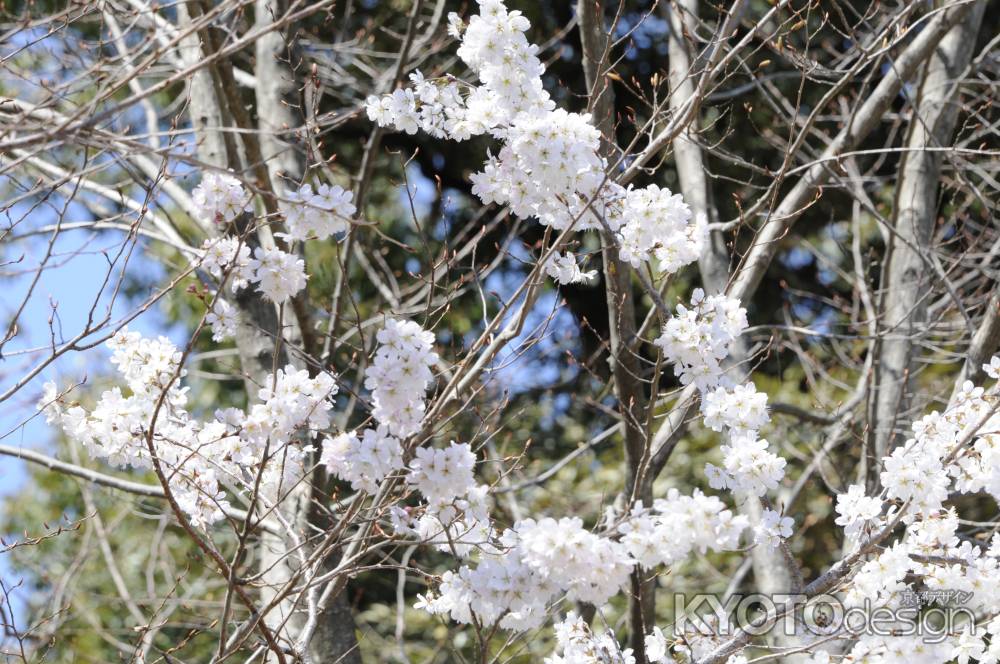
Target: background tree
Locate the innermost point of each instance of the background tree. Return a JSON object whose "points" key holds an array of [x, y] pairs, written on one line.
{"points": [[841, 153]]}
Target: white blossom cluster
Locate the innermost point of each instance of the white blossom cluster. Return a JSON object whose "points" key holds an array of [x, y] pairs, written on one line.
{"points": [[115, 429], [495, 47], [197, 456], [228, 254], [363, 461], [697, 642], [958, 450], [739, 409], [577, 644], [659, 225], [857, 512], [289, 400], [454, 515], [549, 165], [900, 650], [951, 452], [223, 320], [772, 528], [588, 567], [549, 168], [971, 646], [316, 215], [657, 648], [149, 366], [536, 562], [441, 476], [434, 106], [399, 375], [460, 526], [890, 580], [748, 465], [220, 198], [677, 525], [697, 340], [929, 557], [565, 270], [455, 507], [278, 275]]}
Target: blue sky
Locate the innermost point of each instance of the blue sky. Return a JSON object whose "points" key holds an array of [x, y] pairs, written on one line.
{"points": [[69, 288], [65, 293]]}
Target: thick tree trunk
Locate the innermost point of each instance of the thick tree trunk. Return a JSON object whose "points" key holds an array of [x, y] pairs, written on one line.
{"points": [[621, 317], [714, 263], [862, 123], [279, 109], [259, 338], [984, 343], [206, 115], [903, 303], [279, 114]]}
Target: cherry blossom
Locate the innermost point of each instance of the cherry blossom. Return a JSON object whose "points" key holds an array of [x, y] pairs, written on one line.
{"points": [[220, 198], [399, 375], [318, 214]]}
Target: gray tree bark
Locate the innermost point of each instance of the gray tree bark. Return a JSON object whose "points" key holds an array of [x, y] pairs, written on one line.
{"points": [[279, 108], [261, 332], [695, 187], [862, 123], [984, 343], [278, 114], [903, 303], [206, 115]]}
